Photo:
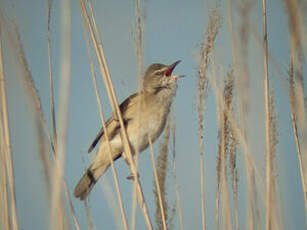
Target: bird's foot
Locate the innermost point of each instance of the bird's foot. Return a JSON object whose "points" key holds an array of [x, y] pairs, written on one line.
{"points": [[132, 176]]}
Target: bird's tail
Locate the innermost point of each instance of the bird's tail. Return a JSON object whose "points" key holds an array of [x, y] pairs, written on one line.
{"points": [[88, 180]]}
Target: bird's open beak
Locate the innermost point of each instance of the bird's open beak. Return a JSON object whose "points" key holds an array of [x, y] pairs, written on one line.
{"points": [[170, 69]]}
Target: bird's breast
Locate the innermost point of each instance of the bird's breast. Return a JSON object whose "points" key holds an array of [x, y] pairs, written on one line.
{"points": [[149, 122]]}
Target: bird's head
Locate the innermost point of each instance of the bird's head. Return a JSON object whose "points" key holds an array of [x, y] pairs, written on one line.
{"points": [[159, 77]]}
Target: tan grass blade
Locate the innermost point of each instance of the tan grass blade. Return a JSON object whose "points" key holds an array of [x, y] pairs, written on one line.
{"points": [[158, 187], [7, 142], [4, 200], [295, 28], [178, 200], [162, 170], [207, 46], [298, 35], [240, 55], [275, 202], [115, 177], [52, 110], [298, 113], [139, 49], [107, 79], [15, 44], [36, 107], [223, 187], [57, 211], [267, 124], [251, 169], [293, 104], [89, 219], [231, 143]]}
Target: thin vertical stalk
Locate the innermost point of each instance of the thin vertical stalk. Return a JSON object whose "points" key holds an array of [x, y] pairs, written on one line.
{"points": [[52, 110], [299, 156], [162, 209], [4, 203], [115, 176], [267, 123], [297, 34], [7, 142], [207, 47], [292, 96], [242, 85], [90, 225], [139, 48], [34, 99], [226, 210], [112, 97], [139, 39], [251, 170], [178, 200], [58, 168], [202, 191], [295, 28]]}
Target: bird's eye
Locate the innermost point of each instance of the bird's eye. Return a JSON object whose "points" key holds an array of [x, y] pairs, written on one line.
{"points": [[159, 73]]}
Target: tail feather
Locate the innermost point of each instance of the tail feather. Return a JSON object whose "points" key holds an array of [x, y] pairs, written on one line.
{"points": [[88, 180], [91, 176], [85, 185]]}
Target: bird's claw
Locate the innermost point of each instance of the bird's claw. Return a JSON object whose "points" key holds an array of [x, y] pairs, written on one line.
{"points": [[132, 176]]}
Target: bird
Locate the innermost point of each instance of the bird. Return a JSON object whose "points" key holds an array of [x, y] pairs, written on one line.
{"points": [[144, 116]]}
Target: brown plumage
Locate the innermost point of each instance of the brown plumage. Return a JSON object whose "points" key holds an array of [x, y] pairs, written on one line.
{"points": [[144, 115]]}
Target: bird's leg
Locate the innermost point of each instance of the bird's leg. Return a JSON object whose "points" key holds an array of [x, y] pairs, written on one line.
{"points": [[131, 176]]}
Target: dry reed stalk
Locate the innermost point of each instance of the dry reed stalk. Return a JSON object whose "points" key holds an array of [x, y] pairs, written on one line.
{"points": [[234, 177], [7, 150], [162, 169], [28, 81], [240, 57], [112, 97], [178, 200], [53, 117], [206, 49], [242, 73], [297, 36], [35, 103], [295, 25], [42, 145], [224, 137], [4, 201], [139, 49], [293, 104], [115, 176], [158, 187], [298, 113], [89, 220], [276, 216], [267, 123], [44, 156], [272, 59], [251, 171], [110, 197], [221, 165], [52, 110], [139, 41], [56, 211], [231, 143]]}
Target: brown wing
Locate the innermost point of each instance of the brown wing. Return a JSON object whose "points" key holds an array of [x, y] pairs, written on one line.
{"points": [[112, 123]]}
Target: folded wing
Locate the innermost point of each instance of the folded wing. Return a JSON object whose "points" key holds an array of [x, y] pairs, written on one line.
{"points": [[113, 125]]}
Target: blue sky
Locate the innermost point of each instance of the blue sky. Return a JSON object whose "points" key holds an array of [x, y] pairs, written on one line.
{"points": [[173, 30]]}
